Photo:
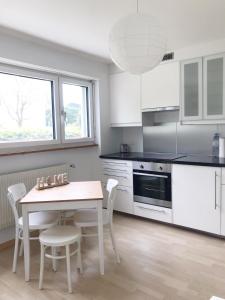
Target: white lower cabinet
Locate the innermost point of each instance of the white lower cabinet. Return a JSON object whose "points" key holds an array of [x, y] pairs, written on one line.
{"points": [[123, 172], [198, 196], [153, 212], [196, 193], [223, 211], [124, 200]]}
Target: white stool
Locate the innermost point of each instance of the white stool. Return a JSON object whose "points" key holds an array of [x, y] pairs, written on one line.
{"points": [[60, 236]]}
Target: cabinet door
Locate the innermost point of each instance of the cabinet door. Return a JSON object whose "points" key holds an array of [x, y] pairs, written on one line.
{"points": [[124, 200], [125, 105], [160, 87], [191, 90], [214, 85], [223, 211], [196, 197]]}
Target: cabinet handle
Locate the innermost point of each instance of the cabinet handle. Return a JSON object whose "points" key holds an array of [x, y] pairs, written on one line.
{"points": [[153, 209], [150, 175], [120, 176], [123, 190], [113, 163], [115, 170], [215, 191]]}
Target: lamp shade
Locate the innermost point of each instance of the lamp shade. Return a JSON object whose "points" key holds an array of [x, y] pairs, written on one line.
{"points": [[137, 43]]}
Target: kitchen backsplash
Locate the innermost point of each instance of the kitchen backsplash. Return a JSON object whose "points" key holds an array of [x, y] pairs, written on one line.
{"points": [[162, 132]]}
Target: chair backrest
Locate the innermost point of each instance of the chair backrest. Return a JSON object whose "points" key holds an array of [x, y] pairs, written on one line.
{"points": [[111, 188], [15, 193]]}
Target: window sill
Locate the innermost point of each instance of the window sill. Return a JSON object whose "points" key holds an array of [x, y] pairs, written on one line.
{"points": [[46, 148]]}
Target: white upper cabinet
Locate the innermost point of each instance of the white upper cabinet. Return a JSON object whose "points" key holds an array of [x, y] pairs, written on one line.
{"points": [[191, 89], [160, 87], [202, 89], [125, 105], [214, 85]]}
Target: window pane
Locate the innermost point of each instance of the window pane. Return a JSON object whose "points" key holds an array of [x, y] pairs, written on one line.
{"points": [[76, 111], [26, 109], [215, 86], [191, 96]]}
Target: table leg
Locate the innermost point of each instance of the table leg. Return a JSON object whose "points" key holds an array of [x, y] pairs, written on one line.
{"points": [[100, 237], [26, 242]]}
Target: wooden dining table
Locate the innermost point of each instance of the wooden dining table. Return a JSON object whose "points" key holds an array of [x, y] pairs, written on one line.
{"points": [[75, 195]]}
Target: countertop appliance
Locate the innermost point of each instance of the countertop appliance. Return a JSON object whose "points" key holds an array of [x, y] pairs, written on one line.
{"points": [[124, 148], [152, 183]]}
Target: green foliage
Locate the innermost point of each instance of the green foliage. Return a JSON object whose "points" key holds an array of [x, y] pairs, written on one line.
{"points": [[73, 112], [27, 134]]}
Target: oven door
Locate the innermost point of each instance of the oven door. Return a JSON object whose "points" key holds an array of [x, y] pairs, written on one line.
{"points": [[152, 188]]}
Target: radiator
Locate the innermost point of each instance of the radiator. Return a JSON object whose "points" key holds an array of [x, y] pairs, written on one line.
{"points": [[28, 177]]}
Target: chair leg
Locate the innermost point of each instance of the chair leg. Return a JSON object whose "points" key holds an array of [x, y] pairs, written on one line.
{"points": [[21, 248], [114, 244], [68, 268], [54, 262], [42, 261], [80, 266], [15, 257]]}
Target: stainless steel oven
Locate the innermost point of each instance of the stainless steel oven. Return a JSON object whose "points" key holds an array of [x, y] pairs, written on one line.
{"points": [[152, 183]]}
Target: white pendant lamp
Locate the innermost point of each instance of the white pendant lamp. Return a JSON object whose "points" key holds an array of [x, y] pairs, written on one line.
{"points": [[137, 43]]}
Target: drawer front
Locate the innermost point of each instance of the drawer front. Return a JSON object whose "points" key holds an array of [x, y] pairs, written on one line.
{"points": [[123, 178], [124, 200], [120, 165], [153, 212]]}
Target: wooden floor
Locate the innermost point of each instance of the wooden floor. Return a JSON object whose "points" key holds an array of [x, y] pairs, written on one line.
{"points": [[157, 262]]}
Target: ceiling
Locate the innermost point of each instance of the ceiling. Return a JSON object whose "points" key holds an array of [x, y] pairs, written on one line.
{"points": [[85, 24]]}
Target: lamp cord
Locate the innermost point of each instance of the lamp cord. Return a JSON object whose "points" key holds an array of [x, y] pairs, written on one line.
{"points": [[137, 6]]}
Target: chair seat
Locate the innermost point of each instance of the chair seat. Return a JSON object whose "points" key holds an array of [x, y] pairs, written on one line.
{"points": [[41, 220], [89, 218], [60, 236]]}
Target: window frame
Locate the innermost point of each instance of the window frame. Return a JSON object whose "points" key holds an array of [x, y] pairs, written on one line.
{"points": [[57, 79], [90, 109]]}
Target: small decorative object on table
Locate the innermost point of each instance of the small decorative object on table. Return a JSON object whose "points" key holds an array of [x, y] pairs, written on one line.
{"points": [[52, 181]]}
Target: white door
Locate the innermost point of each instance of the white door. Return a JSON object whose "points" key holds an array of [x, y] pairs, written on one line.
{"points": [[191, 90], [160, 87], [214, 87], [196, 193], [125, 107]]}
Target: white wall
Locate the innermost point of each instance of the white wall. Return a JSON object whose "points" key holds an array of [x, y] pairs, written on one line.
{"points": [[19, 48], [24, 50], [133, 136]]}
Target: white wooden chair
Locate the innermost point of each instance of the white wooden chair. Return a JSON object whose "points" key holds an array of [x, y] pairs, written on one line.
{"points": [[60, 236], [37, 220], [88, 217]]}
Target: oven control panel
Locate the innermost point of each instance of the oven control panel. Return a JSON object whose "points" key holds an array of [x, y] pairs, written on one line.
{"points": [[152, 166]]}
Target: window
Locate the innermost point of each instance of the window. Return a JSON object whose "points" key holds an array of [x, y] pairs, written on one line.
{"points": [[42, 108], [76, 109]]}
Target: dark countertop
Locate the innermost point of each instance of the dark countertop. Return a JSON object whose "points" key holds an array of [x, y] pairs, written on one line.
{"points": [[142, 156], [197, 160]]}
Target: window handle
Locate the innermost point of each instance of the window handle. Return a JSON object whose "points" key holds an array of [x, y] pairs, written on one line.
{"points": [[63, 114]]}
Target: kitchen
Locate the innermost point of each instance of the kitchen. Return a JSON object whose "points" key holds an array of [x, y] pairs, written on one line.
{"points": [[175, 138], [150, 134]]}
